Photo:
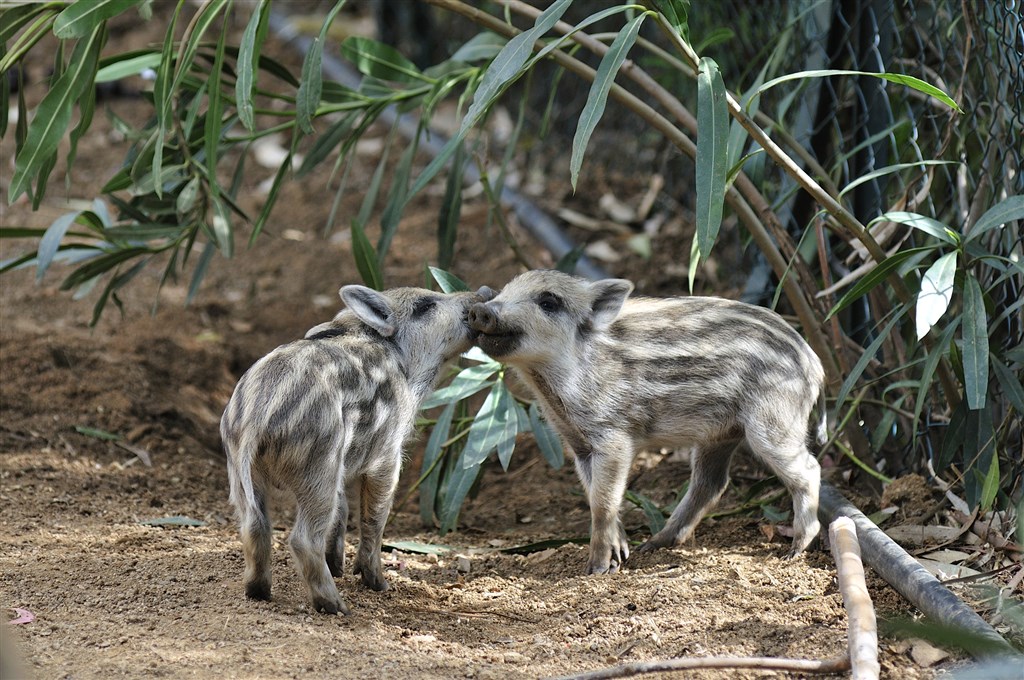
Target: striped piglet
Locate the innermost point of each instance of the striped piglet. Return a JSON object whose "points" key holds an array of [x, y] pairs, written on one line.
{"points": [[614, 375], [337, 406]]}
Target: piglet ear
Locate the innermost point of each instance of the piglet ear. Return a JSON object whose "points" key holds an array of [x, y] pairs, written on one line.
{"points": [[370, 307], [609, 296]]}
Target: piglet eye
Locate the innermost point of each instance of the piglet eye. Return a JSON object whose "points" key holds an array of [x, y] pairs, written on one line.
{"points": [[549, 302], [422, 306]]}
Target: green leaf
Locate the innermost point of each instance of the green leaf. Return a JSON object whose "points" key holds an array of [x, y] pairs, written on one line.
{"points": [[597, 98], [975, 349], [928, 370], [417, 548], [366, 258], [1007, 210], [1010, 382], [248, 62], [459, 481], [163, 87], [922, 223], [494, 423], [96, 433], [547, 439], [712, 153], [431, 454], [505, 67], [990, 487], [451, 211], [898, 78], [81, 18], [655, 517], [326, 143], [311, 82], [54, 113], [869, 353], [51, 241], [126, 65], [480, 47], [888, 170], [392, 212], [467, 383], [382, 61], [100, 265], [200, 272], [675, 13], [448, 282], [875, 277], [935, 294]]}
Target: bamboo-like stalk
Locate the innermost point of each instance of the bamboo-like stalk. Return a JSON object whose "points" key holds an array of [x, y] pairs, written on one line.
{"points": [[862, 635]]}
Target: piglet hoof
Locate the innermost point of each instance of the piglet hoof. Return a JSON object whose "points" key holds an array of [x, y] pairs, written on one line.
{"points": [[258, 590], [371, 578], [656, 542], [330, 605]]}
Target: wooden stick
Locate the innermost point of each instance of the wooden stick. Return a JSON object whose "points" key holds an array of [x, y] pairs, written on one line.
{"points": [[862, 635], [831, 666]]}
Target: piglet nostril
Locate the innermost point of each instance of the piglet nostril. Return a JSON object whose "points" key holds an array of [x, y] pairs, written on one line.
{"points": [[481, 318]]}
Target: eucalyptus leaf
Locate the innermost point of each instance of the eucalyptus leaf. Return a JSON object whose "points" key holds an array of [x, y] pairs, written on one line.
{"points": [[379, 60], [898, 78], [922, 223], [493, 425], [81, 18], [1007, 210]]}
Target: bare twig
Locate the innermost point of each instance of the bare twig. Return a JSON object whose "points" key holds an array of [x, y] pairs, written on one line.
{"points": [[829, 666], [862, 636]]}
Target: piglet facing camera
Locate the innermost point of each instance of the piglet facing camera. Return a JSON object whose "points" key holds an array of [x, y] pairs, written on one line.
{"points": [[337, 406], [615, 374]]}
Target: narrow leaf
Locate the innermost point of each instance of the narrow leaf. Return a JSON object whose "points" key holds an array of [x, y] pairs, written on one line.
{"points": [[505, 68], [54, 113], [125, 65], [490, 428], [173, 521], [379, 60], [990, 487], [1010, 382], [888, 170], [459, 482], [467, 383], [900, 79], [248, 62], [598, 95], [869, 353], [311, 83], [480, 47], [875, 277], [96, 433], [975, 349], [81, 18], [366, 258], [433, 450], [936, 292], [547, 439], [712, 153], [451, 211], [51, 241], [1007, 210], [922, 223], [448, 282]]}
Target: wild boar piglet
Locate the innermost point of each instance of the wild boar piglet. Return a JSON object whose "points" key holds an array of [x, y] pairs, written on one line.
{"points": [[337, 406], [615, 374]]}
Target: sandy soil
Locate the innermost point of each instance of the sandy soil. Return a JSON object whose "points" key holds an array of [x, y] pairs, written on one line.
{"points": [[115, 595]]}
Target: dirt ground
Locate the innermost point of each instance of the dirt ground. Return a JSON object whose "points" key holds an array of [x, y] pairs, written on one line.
{"points": [[115, 594]]}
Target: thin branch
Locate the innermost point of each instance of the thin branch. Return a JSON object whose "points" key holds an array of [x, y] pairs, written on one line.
{"points": [[824, 666]]}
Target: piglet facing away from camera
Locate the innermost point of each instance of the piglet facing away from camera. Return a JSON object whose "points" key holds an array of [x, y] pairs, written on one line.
{"points": [[614, 375], [336, 406]]}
